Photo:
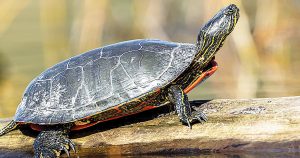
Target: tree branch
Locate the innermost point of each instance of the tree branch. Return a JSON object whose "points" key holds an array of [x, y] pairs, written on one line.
{"points": [[235, 125]]}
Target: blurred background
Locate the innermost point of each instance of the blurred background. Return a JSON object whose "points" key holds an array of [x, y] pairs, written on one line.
{"points": [[261, 57]]}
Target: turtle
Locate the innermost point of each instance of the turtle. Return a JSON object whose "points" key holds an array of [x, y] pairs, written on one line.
{"points": [[117, 80]]}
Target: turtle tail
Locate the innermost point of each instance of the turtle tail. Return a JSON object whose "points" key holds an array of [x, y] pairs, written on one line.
{"points": [[9, 127]]}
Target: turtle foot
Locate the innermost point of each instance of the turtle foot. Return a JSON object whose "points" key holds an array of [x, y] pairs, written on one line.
{"points": [[199, 116], [195, 117], [50, 144]]}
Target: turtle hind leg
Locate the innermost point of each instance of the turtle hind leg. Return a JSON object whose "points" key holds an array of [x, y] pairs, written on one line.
{"points": [[9, 127], [52, 141], [183, 108]]}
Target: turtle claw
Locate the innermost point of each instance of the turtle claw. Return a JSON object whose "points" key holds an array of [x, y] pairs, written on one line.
{"points": [[189, 124], [72, 146], [50, 144], [196, 116], [200, 117], [186, 121], [183, 108], [66, 151]]}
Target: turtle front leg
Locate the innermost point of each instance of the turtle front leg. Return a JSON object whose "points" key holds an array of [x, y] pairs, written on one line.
{"points": [[52, 141], [183, 108]]}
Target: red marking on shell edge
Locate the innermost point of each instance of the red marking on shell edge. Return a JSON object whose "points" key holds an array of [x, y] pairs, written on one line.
{"points": [[36, 127], [79, 127], [202, 77], [157, 90], [117, 108], [148, 108]]}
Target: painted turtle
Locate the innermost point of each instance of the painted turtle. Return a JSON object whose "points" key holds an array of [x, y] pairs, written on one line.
{"points": [[118, 80]]}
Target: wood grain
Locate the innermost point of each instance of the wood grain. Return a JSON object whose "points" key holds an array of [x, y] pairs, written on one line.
{"points": [[266, 125]]}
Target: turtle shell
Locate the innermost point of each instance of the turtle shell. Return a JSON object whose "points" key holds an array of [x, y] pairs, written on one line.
{"points": [[102, 78]]}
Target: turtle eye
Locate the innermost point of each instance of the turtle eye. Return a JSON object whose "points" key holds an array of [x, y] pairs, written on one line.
{"points": [[231, 9], [229, 12]]}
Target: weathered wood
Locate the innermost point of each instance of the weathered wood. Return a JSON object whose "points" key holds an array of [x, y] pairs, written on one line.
{"points": [[268, 125]]}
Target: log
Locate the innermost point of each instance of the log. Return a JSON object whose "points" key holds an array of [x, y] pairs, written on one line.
{"points": [[263, 127]]}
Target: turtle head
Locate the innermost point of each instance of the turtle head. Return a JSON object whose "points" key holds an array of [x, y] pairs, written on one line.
{"points": [[212, 35]]}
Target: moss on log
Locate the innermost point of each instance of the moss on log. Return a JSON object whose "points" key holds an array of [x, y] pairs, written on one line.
{"points": [[266, 125]]}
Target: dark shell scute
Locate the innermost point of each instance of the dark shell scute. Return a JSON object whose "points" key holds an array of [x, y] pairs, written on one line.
{"points": [[153, 46], [93, 80], [65, 88], [53, 71], [102, 78], [139, 66], [85, 58], [120, 48]]}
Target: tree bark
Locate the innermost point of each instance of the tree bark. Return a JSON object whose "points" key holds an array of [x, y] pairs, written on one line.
{"points": [[235, 126]]}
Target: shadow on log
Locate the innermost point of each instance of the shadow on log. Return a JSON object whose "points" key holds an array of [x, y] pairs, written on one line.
{"points": [[267, 127]]}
